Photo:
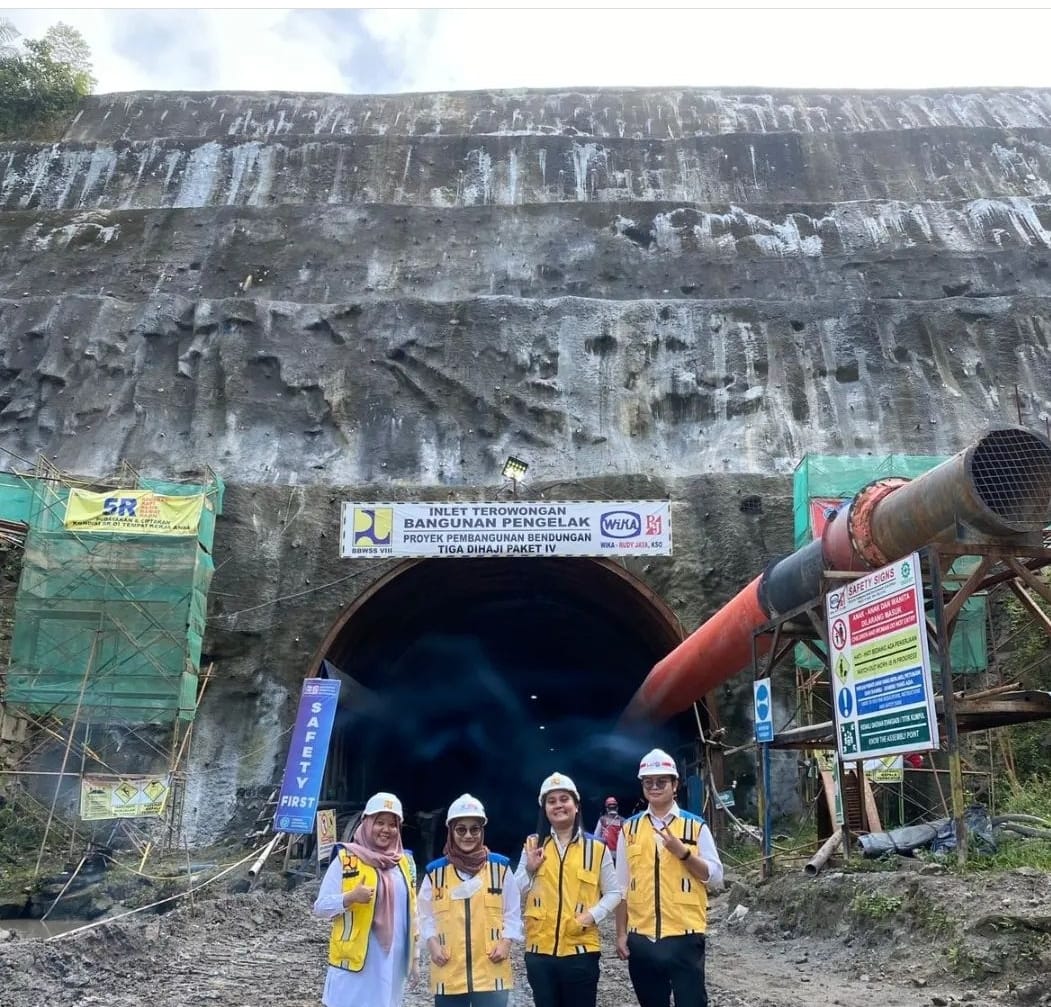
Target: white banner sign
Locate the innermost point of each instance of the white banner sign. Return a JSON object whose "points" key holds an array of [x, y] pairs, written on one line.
{"points": [[457, 530]]}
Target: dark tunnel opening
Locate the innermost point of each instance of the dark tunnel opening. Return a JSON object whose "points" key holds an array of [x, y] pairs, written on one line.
{"points": [[487, 675]]}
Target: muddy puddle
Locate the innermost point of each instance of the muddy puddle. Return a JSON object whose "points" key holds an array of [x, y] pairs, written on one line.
{"points": [[37, 929]]}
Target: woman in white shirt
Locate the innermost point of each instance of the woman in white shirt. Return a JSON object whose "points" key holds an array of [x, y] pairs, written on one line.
{"points": [[570, 887], [369, 893]]}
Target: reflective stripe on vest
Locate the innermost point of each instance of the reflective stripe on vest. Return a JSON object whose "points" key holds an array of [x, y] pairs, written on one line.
{"points": [[469, 928], [663, 898], [562, 888], [349, 940]]}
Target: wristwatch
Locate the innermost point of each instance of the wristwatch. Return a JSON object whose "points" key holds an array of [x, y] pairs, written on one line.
{"points": [[686, 855]]}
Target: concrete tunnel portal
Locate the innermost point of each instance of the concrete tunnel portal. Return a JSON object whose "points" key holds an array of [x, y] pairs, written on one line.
{"points": [[486, 675]]}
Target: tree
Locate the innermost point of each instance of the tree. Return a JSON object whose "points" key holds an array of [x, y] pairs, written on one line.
{"points": [[41, 79]]}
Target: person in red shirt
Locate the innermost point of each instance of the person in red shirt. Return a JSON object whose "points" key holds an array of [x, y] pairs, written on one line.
{"points": [[609, 823]]}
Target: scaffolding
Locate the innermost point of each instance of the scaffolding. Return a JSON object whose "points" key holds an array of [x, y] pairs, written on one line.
{"points": [[105, 655]]}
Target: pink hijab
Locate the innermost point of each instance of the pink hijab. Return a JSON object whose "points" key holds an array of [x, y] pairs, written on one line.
{"points": [[364, 846]]}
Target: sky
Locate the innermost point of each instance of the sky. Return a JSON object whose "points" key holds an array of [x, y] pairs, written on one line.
{"points": [[361, 50]]}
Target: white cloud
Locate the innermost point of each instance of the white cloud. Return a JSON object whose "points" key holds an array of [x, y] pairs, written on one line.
{"points": [[436, 50]]}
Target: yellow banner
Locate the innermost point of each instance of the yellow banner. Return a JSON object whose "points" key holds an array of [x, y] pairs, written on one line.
{"points": [[136, 512], [103, 797]]}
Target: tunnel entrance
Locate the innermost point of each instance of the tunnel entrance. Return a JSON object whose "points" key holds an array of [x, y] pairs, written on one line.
{"points": [[487, 675]]}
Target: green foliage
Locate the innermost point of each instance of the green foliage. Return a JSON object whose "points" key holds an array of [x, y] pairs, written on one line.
{"points": [[1012, 853], [1034, 798], [933, 918], [875, 906], [1028, 660], [41, 79], [962, 962]]}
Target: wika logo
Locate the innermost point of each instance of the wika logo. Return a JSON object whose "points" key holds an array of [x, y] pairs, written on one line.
{"points": [[620, 524]]}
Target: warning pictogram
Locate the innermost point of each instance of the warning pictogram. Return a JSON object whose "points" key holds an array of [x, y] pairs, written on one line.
{"points": [[839, 634], [125, 792]]}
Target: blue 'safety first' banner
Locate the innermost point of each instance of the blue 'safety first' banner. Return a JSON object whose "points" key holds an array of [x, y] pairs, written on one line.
{"points": [[305, 766]]}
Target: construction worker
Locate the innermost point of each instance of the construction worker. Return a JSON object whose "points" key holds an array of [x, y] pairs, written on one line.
{"points": [[666, 858], [569, 888], [609, 823], [469, 914], [369, 893]]}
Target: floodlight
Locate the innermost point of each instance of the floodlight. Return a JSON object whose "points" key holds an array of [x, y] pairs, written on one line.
{"points": [[515, 468]]}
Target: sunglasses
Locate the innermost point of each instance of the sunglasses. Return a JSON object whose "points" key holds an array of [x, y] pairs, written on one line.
{"points": [[467, 830], [656, 782]]}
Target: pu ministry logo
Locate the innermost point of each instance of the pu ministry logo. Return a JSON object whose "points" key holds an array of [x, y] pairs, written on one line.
{"points": [[372, 527]]}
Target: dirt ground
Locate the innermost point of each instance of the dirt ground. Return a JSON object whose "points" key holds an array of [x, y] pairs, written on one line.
{"points": [[910, 937]]}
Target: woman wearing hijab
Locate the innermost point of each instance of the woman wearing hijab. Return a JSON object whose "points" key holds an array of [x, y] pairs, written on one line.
{"points": [[570, 887], [369, 893], [469, 914]]}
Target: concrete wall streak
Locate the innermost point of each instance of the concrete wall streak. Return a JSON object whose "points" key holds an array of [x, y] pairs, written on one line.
{"points": [[932, 163], [606, 113], [310, 254]]}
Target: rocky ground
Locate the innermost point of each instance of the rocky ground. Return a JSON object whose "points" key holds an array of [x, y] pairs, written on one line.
{"points": [[909, 937]]}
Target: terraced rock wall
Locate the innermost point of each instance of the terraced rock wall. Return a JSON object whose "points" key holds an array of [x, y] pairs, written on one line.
{"points": [[673, 292]]}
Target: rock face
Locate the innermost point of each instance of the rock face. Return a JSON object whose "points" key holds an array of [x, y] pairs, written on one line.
{"points": [[643, 292]]}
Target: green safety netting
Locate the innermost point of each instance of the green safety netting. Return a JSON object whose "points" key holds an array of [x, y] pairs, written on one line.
{"points": [[822, 482], [108, 626]]}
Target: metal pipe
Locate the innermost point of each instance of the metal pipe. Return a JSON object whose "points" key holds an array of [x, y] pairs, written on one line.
{"points": [[257, 866], [1000, 485], [819, 859]]}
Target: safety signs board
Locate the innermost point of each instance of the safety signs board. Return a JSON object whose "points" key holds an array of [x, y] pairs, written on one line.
{"points": [[881, 669], [506, 528], [103, 797], [764, 711], [325, 825]]}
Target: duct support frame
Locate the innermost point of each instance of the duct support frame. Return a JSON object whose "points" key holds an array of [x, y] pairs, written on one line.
{"points": [[1012, 566]]}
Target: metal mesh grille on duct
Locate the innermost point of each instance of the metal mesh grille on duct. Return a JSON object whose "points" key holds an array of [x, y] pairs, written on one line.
{"points": [[1011, 473]]}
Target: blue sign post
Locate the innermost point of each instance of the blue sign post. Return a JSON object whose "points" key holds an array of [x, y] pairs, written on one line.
{"points": [[307, 754], [764, 712]]}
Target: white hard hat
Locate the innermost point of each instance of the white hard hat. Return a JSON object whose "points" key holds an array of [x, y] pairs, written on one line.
{"points": [[557, 781], [658, 763], [466, 806], [383, 802]]}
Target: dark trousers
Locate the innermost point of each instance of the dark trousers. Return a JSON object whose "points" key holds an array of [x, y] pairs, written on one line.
{"points": [[494, 998], [567, 981], [670, 966]]}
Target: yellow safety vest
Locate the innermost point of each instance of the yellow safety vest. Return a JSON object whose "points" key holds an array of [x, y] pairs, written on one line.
{"points": [[469, 929], [664, 899], [349, 941], [563, 887]]}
